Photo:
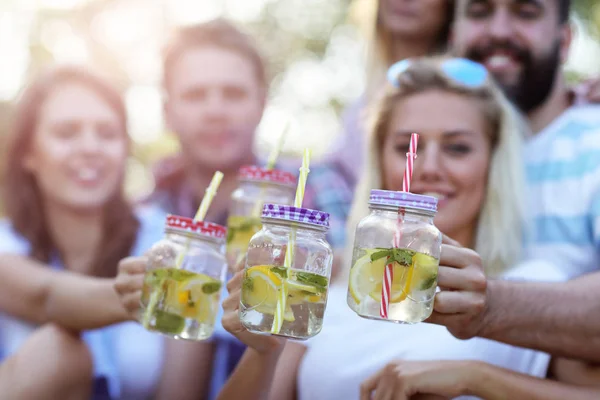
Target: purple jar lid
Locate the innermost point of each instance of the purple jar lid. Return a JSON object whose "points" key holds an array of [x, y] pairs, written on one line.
{"points": [[403, 200], [296, 214]]}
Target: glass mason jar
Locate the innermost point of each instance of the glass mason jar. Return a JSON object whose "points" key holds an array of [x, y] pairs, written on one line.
{"points": [[184, 276], [257, 187], [285, 294], [412, 258]]}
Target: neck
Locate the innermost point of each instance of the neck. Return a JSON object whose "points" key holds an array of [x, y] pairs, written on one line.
{"points": [[77, 235], [403, 48], [554, 106], [198, 178]]}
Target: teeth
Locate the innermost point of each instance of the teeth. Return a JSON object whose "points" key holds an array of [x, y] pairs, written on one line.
{"points": [[498, 61], [88, 174], [438, 196]]}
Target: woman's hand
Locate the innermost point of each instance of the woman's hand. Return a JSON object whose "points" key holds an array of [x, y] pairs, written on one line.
{"points": [[462, 304], [404, 380], [129, 283], [231, 320]]}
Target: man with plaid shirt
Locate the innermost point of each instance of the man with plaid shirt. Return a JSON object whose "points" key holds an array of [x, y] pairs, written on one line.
{"points": [[216, 88]]}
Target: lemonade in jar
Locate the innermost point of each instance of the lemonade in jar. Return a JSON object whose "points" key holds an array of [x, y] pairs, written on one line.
{"points": [[413, 258], [257, 186], [184, 276], [287, 300]]}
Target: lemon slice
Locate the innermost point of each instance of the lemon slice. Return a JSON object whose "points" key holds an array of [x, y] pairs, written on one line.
{"points": [[426, 271], [299, 293], [193, 301], [366, 278], [260, 287]]}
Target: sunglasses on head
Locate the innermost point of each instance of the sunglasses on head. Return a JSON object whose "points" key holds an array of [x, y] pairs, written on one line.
{"points": [[464, 72]]}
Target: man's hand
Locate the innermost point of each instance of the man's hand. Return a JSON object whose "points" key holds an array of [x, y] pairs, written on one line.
{"points": [[129, 283], [404, 380], [461, 305]]}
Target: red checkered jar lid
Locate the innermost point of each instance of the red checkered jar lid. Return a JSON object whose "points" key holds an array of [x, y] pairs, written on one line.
{"points": [[186, 225], [257, 174]]}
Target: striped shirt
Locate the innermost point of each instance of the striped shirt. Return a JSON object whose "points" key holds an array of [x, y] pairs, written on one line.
{"points": [[563, 177]]}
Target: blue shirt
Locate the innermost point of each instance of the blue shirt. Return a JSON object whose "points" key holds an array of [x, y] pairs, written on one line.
{"points": [[127, 358], [563, 184]]}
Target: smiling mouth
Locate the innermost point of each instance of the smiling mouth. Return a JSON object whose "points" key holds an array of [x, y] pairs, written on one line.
{"points": [[88, 176]]}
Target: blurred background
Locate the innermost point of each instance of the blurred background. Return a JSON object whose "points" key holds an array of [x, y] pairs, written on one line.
{"points": [[315, 50]]}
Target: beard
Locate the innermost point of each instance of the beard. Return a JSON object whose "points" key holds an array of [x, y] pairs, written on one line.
{"points": [[536, 81]]}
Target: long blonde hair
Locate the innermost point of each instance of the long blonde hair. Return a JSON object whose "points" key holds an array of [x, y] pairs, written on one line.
{"points": [[501, 222], [379, 51]]}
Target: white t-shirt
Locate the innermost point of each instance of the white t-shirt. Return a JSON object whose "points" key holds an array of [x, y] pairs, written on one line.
{"points": [[351, 349]]}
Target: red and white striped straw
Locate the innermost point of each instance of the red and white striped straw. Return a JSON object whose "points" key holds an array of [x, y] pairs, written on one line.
{"points": [[388, 275]]}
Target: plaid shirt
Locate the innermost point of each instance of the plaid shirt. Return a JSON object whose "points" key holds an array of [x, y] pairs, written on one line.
{"points": [[327, 190]]}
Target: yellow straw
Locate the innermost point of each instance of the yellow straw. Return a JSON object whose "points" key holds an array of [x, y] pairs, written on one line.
{"points": [[274, 155], [211, 191], [289, 254]]}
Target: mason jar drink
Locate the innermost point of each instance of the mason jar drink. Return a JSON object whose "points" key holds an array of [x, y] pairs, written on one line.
{"points": [[257, 186], [184, 276], [414, 260], [295, 293]]}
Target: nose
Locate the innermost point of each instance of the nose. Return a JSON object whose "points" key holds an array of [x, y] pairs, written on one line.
{"points": [[215, 104], [427, 165], [501, 25], [90, 141]]}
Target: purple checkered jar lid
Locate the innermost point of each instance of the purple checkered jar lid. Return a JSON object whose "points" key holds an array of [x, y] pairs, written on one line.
{"points": [[296, 214], [403, 200]]}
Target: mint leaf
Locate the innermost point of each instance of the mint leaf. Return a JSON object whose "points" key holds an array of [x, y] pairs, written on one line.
{"points": [[317, 281], [281, 271], [381, 254], [248, 284], [211, 287], [403, 256], [428, 283]]}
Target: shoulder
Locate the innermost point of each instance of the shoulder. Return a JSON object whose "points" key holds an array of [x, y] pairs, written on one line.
{"points": [[576, 122], [10, 240], [151, 229]]}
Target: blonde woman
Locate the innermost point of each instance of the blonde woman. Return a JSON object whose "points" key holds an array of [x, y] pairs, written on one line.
{"points": [[394, 30]]}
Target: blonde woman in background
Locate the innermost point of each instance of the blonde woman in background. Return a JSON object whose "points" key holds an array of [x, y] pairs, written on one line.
{"points": [[469, 158], [394, 30]]}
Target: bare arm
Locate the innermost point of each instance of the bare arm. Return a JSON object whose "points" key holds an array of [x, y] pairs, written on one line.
{"points": [[451, 379], [575, 372], [558, 318], [265, 375], [493, 383], [36, 293], [187, 371]]}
